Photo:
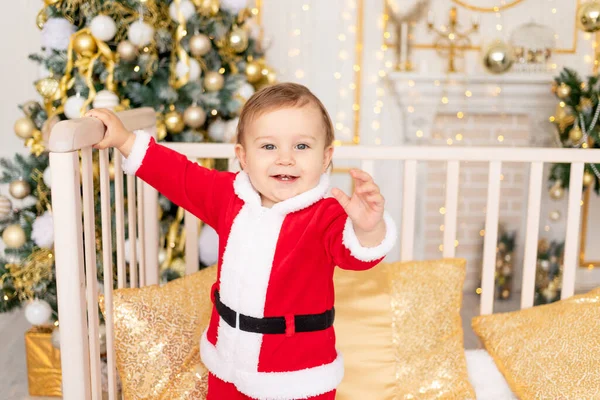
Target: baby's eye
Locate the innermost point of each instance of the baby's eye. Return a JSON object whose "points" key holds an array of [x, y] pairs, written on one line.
{"points": [[302, 146], [268, 147]]}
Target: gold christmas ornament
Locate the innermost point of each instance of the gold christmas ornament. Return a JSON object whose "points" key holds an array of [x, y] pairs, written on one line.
{"points": [[174, 122], [238, 39], [253, 72], [24, 128], [19, 189], [588, 179], [498, 58], [161, 130], [14, 236], [85, 45], [200, 45], [213, 81], [588, 16], [207, 8], [47, 87], [194, 116], [563, 91], [575, 134], [562, 118], [127, 50], [553, 87], [556, 191]]}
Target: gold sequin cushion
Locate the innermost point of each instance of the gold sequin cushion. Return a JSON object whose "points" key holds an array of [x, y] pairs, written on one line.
{"points": [[157, 334], [399, 329], [550, 351]]}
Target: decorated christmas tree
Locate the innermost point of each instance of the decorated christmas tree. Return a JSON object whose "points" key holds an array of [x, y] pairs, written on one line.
{"points": [[195, 62]]}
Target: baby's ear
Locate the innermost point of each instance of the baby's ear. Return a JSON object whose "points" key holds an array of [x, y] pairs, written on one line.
{"points": [[240, 153], [327, 156]]}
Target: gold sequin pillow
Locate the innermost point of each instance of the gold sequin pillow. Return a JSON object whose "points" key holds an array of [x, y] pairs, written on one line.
{"points": [[401, 323], [157, 334], [547, 352]]}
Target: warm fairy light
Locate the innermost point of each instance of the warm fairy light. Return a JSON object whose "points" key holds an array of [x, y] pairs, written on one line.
{"points": [[442, 210], [305, 7], [411, 83], [449, 142], [468, 93], [442, 228], [410, 109], [341, 37], [482, 232], [337, 75], [375, 125], [500, 138], [339, 126], [460, 114], [299, 74], [356, 68], [445, 100], [419, 133], [459, 137]]}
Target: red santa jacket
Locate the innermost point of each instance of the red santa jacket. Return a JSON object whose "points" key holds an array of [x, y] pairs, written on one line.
{"points": [[275, 261]]}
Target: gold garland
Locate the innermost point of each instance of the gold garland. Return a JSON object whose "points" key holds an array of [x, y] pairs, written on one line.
{"points": [[179, 52], [494, 9], [26, 276]]}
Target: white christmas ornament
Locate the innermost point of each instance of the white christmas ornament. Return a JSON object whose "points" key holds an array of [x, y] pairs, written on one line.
{"points": [[48, 177], [103, 27], [140, 33], [106, 99], [208, 245], [56, 33], [245, 91], [231, 130], [73, 107], [185, 6], [181, 69], [216, 130], [42, 232], [234, 6], [38, 312]]}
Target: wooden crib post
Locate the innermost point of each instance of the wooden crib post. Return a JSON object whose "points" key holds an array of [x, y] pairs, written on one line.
{"points": [[150, 196], [70, 280]]}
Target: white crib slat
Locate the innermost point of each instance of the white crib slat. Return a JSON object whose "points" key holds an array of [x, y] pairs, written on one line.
{"points": [[131, 219], [408, 209], [68, 253], [105, 210], [452, 183], [191, 243], [368, 166], [491, 238], [531, 238], [573, 221], [151, 230], [89, 235], [119, 220], [141, 232]]}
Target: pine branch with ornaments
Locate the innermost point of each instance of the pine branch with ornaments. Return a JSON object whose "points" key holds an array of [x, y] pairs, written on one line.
{"points": [[195, 62]]}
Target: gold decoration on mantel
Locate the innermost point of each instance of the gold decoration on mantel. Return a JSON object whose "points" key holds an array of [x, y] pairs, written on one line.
{"points": [[451, 40], [500, 7]]}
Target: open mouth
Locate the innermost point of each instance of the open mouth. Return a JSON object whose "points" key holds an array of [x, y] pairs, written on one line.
{"points": [[285, 178]]}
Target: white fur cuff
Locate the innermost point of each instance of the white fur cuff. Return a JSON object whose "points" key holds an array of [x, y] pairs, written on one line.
{"points": [[367, 254], [132, 163]]}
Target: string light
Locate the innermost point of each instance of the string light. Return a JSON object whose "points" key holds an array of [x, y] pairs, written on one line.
{"points": [[305, 7], [419, 133]]}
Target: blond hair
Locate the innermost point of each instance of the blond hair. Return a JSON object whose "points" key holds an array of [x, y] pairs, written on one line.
{"points": [[279, 96]]}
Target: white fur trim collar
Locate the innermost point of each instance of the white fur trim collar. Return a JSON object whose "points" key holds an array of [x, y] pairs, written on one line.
{"points": [[245, 191]]}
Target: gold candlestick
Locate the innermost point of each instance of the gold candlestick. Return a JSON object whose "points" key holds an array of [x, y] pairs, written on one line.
{"points": [[450, 40]]}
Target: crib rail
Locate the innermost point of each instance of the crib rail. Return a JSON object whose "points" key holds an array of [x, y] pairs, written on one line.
{"points": [[75, 245]]}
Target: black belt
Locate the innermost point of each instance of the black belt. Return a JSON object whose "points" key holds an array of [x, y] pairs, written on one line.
{"points": [[275, 325]]}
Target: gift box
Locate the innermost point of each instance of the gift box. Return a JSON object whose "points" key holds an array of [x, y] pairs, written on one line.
{"points": [[43, 363]]}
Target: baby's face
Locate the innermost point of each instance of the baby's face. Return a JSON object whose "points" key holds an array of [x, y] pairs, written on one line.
{"points": [[284, 153]]}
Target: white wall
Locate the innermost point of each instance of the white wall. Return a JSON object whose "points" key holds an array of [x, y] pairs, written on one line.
{"points": [[17, 72]]}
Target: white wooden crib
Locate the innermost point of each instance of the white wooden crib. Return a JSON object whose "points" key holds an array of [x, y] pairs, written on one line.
{"points": [[77, 286]]}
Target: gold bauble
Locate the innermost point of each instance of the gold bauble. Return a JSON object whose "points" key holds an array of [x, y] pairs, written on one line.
{"points": [[19, 189], [174, 122], [575, 134], [47, 87], [238, 39], [200, 45], [253, 72], [270, 74], [588, 16], [588, 178], [208, 8], [14, 236], [178, 265], [563, 91], [127, 50], [498, 58], [194, 117], [161, 131], [85, 45], [24, 128], [557, 191], [213, 81], [553, 87]]}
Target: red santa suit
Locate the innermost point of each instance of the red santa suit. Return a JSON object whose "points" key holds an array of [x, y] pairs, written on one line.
{"points": [[273, 262]]}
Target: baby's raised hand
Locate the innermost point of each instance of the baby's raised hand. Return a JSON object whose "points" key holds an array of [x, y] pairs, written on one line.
{"points": [[116, 135], [365, 208]]}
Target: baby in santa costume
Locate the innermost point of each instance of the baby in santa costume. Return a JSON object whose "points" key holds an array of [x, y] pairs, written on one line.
{"points": [[271, 332]]}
